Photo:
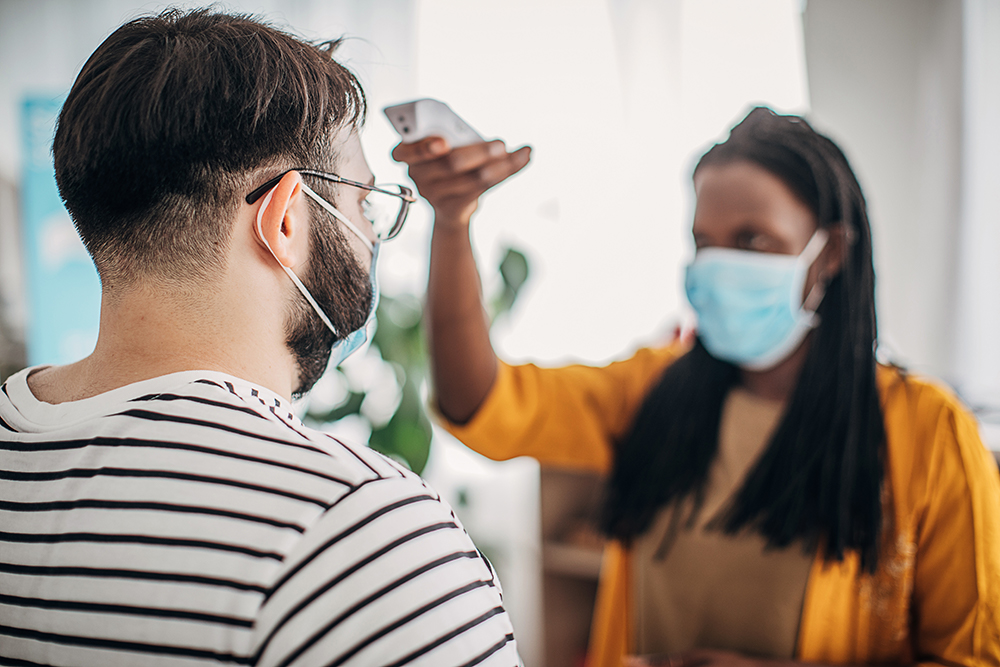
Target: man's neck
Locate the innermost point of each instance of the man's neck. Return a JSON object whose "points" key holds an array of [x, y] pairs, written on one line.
{"points": [[144, 335]]}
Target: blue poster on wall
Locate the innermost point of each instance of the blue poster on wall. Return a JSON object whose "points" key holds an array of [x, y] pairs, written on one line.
{"points": [[64, 292]]}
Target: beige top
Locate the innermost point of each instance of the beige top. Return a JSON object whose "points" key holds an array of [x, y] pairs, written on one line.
{"points": [[704, 589]]}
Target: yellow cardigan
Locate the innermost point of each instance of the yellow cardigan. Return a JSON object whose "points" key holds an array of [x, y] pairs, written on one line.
{"points": [[936, 595]]}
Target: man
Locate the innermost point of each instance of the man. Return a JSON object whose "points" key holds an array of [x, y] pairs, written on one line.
{"points": [[159, 502]]}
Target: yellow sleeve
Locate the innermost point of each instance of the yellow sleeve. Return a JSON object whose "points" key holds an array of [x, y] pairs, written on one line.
{"points": [[568, 417], [956, 588]]}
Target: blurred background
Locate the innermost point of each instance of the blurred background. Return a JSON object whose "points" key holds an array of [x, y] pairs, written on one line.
{"points": [[582, 253]]}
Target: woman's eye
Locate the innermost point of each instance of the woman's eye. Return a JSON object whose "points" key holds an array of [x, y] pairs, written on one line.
{"points": [[753, 241]]}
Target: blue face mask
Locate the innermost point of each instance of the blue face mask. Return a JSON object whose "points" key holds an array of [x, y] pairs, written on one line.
{"points": [[749, 304], [350, 343]]}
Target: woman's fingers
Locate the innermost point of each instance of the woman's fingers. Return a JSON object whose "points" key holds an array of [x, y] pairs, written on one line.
{"points": [[452, 180], [420, 151], [456, 162], [470, 177]]}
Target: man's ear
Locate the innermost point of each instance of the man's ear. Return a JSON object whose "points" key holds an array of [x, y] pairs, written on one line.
{"points": [[280, 221]]}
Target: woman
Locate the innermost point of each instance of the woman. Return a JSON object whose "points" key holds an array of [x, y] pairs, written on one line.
{"points": [[773, 492]]}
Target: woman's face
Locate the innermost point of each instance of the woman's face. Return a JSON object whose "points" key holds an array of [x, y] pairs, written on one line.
{"points": [[742, 206]]}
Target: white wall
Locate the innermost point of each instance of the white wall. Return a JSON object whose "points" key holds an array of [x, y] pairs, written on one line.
{"points": [[885, 78], [11, 283]]}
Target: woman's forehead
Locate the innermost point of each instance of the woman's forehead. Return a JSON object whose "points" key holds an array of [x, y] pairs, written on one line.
{"points": [[740, 192]]}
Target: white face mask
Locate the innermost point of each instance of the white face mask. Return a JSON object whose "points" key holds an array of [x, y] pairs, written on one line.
{"points": [[347, 343]]}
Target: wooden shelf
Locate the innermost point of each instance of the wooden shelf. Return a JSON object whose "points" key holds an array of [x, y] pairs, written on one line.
{"points": [[571, 561]]}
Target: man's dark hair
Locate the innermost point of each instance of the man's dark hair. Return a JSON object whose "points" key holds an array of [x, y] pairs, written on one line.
{"points": [[819, 481], [169, 122]]}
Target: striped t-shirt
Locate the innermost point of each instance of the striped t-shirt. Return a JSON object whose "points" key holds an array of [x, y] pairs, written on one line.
{"points": [[192, 519]]}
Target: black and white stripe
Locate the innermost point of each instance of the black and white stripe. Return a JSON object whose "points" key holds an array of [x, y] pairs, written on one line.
{"points": [[192, 519]]}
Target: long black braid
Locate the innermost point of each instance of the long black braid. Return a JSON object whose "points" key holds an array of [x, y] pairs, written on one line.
{"points": [[819, 480]]}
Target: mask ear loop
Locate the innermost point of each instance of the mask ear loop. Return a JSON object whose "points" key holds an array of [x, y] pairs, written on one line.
{"points": [[809, 255], [291, 274], [338, 215]]}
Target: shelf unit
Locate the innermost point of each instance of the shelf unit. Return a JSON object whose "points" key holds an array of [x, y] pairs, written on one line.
{"points": [[571, 562]]}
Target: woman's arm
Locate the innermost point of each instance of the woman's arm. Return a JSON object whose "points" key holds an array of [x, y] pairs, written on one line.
{"points": [[561, 416], [463, 364]]}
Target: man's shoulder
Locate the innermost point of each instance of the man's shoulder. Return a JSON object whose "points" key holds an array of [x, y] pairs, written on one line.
{"points": [[230, 410], [386, 575]]}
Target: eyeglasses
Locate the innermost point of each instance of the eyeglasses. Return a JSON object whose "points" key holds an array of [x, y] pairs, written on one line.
{"points": [[386, 213]]}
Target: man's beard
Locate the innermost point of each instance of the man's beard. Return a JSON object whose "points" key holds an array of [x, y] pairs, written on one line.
{"points": [[340, 286]]}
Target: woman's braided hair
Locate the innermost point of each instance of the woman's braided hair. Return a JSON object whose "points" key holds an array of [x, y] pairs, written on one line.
{"points": [[819, 480]]}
